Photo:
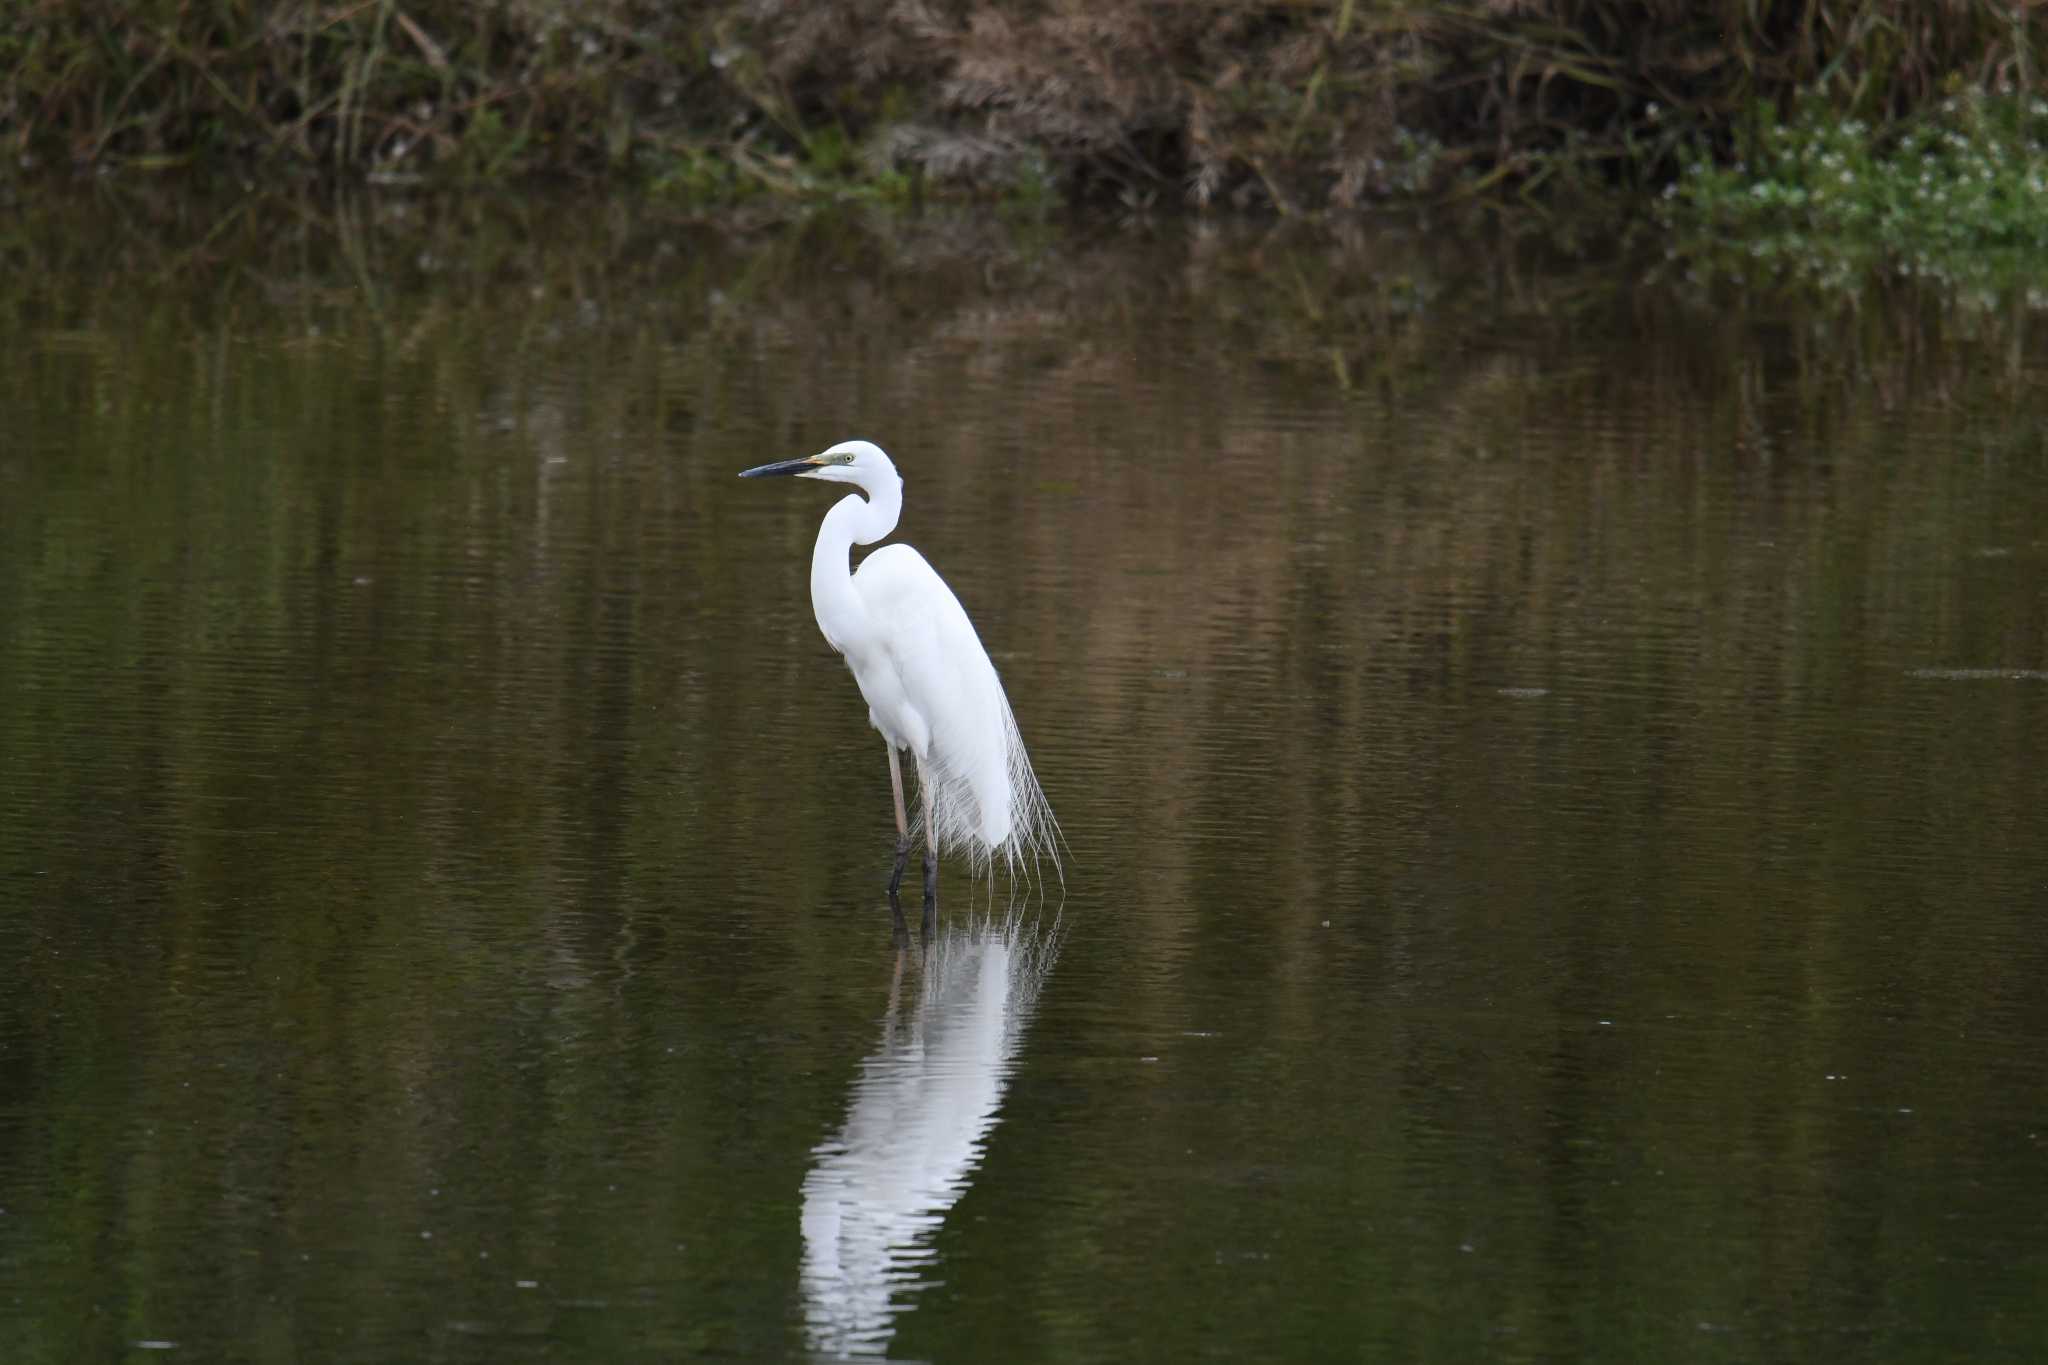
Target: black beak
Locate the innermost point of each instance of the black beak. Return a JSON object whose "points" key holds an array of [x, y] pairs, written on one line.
{"points": [[769, 471]]}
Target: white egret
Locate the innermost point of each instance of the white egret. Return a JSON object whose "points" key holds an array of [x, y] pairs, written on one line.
{"points": [[928, 682]]}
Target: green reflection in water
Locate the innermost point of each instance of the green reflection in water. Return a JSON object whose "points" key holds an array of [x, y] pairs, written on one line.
{"points": [[1551, 756]]}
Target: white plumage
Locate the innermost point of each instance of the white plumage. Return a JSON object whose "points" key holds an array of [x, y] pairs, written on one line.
{"points": [[928, 682]]}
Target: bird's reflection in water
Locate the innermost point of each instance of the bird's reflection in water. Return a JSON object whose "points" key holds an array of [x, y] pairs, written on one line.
{"points": [[922, 1107]]}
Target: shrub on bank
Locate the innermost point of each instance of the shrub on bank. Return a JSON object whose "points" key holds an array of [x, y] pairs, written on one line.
{"points": [[1953, 190]]}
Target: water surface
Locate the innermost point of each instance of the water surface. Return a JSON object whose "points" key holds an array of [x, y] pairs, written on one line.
{"points": [[1550, 751]]}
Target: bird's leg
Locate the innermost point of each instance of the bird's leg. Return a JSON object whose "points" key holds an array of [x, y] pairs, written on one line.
{"points": [[931, 847], [902, 935], [902, 826]]}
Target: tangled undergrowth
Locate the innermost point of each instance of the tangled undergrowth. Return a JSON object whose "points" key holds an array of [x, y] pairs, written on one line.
{"points": [[1813, 136]]}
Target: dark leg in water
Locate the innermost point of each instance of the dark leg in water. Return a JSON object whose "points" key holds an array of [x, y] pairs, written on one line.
{"points": [[902, 860], [902, 930]]}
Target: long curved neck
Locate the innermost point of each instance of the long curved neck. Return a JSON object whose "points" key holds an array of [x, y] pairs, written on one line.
{"points": [[852, 521]]}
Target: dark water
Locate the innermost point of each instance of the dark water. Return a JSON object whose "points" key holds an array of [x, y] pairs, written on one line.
{"points": [[1552, 754]]}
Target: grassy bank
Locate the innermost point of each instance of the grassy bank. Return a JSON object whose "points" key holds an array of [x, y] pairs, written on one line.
{"points": [[1295, 107]]}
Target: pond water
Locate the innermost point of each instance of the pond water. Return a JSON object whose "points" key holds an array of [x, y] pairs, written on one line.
{"points": [[1551, 753]]}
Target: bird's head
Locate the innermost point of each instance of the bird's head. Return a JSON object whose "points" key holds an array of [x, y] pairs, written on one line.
{"points": [[856, 462]]}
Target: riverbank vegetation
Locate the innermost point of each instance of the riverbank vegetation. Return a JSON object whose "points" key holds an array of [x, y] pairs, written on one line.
{"points": [[1958, 191], [1820, 138], [1294, 107]]}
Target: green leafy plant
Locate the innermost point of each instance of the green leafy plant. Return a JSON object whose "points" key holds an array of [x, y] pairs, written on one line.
{"points": [[1938, 193]]}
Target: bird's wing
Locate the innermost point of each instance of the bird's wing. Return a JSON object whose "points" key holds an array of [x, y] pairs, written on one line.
{"points": [[947, 676]]}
